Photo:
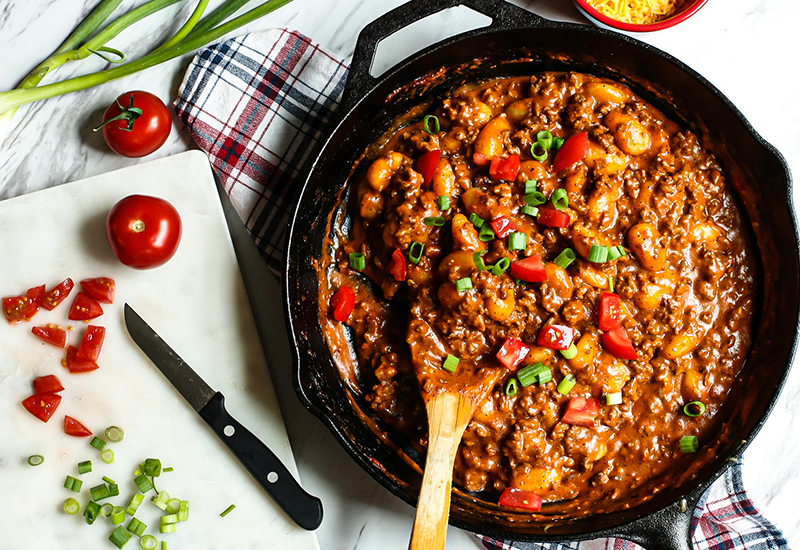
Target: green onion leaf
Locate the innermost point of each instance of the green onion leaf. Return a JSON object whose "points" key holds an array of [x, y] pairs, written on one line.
{"points": [[415, 252], [35, 460], [91, 512], [464, 284], [115, 434], [598, 253], [476, 220], [170, 469], [530, 187], [559, 199], [570, 352], [430, 123], [73, 484], [534, 199], [517, 241], [500, 267], [99, 492], [566, 257], [566, 384], [443, 202], [71, 506], [511, 387], [227, 510], [109, 480], [529, 210], [97, 443], [614, 398], [451, 363], [84, 467], [694, 408], [531, 374], [478, 261], [120, 537], [136, 527], [143, 483], [689, 444], [357, 261], [437, 221]]}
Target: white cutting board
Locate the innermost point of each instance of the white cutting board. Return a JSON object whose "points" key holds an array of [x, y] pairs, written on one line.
{"points": [[197, 303]]}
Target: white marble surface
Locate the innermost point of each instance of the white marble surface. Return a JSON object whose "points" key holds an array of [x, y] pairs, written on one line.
{"points": [[746, 48]]}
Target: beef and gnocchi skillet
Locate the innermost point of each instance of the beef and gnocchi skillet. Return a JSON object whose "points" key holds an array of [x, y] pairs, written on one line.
{"points": [[520, 44]]}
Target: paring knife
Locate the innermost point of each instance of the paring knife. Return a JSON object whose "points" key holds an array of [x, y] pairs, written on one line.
{"points": [[303, 508]]}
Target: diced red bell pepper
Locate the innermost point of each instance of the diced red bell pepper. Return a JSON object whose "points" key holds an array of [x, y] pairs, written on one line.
{"points": [[74, 428], [52, 335], [75, 365], [84, 308], [555, 336], [517, 498], [503, 226], [58, 294], [19, 308], [426, 165], [342, 303], [617, 343], [397, 267], [575, 148], [530, 269], [100, 288], [512, 352], [91, 344], [552, 217], [608, 317], [42, 405], [581, 411], [47, 384], [504, 169]]}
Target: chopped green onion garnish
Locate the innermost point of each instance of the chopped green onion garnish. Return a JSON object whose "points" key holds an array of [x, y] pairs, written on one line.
{"points": [[611, 284], [566, 257], [120, 536], [570, 352], [476, 220], [559, 199], [71, 506], [173, 506], [464, 284], [534, 199], [106, 509], [109, 480], [148, 542], [486, 233], [357, 261], [107, 456], [558, 142], [183, 513], [694, 408], [689, 444], [171, 469], [614, 398], [511, 387], [227, 510], [430, 123], [415, 252], [73, 484], [143, 483], [478, 261], [35, 460], [566, 384], [451, 363], [91, 512], [115, 434], [613, 253], [517, 241], [113, 490], [135, 502], [443, 202], [531, 374], [529, 210], [530, 187], [84, 467], [500, 267], [438, 221], [161, 501], [598, 253], [99, 492], [152, 467], [136, 527], [98, 443], [117, 515], [166, 528], [545, 138], [540, 156], [163, 545]]}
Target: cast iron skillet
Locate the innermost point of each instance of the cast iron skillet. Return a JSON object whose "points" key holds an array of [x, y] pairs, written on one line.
{"points": [[516, 43]]}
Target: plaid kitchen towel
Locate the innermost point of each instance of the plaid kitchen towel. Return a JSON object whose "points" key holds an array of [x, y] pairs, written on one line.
{"points": [[257, 105]]}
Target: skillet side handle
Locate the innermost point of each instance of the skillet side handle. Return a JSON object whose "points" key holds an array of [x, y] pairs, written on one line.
{"points": [[667, 529], [359, 81]]}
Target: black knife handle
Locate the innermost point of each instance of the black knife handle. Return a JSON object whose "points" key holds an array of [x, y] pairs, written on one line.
{"points": [[269, 471]]}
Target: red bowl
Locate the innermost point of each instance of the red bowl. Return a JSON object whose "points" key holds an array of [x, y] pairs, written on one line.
{"points": [[682, 14]]}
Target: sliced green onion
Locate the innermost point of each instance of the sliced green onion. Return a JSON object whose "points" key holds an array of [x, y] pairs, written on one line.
{"points": [[545, 138], [478, 261], [73, 484], [566, 384], [117, 515], [559, 199], [530, 187], [694, 408], [486, 233], [71, 506], [136, 500], [557, 143], [611, 284], [529, 210], [437, 221], [689, 444], [511, 387], [443, 202], [84, 467], [106, 509], [430, 123], [570, 352], [107, 456], [166, 528], [152, 467], [35, 460], [621, 250], [113, 490], [143, 483], [171, 469], [99, 492], [136, 527], [517, 241], [534, 199], [598, 253], [541, 157], [97, 443], [163, 545], [90, 512], [173, 506], [532, 374], [357, 261], [476, 220], [183, 513], [451, 363], [227, 510], [120, 537], [464, 284], [148, 542], [566, 257], [613, 253], [614, 398], [500, 267], [415, 252], [115, 434], [109, 480]]}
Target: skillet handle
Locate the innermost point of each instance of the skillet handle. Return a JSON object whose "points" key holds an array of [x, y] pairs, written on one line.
{"points": [[359, 81], [667, 529]]}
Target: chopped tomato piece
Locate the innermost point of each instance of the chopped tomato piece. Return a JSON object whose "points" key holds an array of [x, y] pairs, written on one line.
{"points": [[398, 266], [78, 365], [426, 165], [504, 169], [480, 160], [575, 148], [517, 498], [84, 308], [91, 344], [51, 335], [608, 313], [552, 217], [19, 308], [100, 288], [503, 226], [53, 297], [529, 269], [42, 405], [74, 428], [617, 343], [581, 411], [512, 352], [342, 303], [556, 336], [47, 384], [35, 293]]}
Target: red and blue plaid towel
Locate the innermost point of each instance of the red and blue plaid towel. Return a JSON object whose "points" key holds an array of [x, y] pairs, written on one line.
{"points": [[257, 105]]}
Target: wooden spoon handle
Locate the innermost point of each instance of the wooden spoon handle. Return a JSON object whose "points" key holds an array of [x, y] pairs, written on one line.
{"points": [[448, 416]]}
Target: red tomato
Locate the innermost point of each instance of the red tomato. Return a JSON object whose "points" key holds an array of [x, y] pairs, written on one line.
{"points": [[503, 226], [552, 217], [529, 269], [74, 428], [143, 231], [575, 148], [35, 293], [398, 265], [555, 336], [91, 344], [74, 364], [480, 160], [608, 312], [504, 169], [617, 343], [19, 308], [512, 352], [84, 308], [136, 124], [42, 405], [342, 303], [426, 165], [100, 288], [517, 498], [581, 411], [51, 299], [47, 384], [51, 335]]}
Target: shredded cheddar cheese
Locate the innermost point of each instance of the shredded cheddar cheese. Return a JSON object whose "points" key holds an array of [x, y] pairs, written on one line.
{"points": [[638, 12]]}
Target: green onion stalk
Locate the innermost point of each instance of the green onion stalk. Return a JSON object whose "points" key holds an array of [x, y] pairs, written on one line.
{"points": [[87, 40]]}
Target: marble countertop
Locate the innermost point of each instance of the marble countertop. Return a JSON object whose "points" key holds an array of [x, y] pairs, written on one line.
{"points": [[746, 48]]}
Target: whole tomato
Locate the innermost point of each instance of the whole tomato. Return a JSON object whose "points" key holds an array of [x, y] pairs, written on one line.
{"points": [[143, 231], [136, 124]]}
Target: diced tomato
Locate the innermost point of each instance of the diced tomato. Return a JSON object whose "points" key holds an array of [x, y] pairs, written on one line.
{"points": [[84, 308], [100, 288], [74, 428], [480, 160], [556, 336], [51, 335], [512, 352], [19, 308], [581, 411], [78, 365], [552, 217], [503, 226], [530, 269], [504, 169], [617, 343], [42, 405], [47, 384], [91, 344], [426, 165], [342, 303], [398, 265], [575, 148], [517, 498], [608, 313], [35, 293], [57, 295]]}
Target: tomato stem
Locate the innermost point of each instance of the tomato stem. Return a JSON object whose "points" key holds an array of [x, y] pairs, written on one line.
{"points": [[138, 226], [129, 114]]}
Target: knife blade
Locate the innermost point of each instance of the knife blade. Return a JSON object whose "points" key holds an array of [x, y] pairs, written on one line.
{"points": [[303, 508]]}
